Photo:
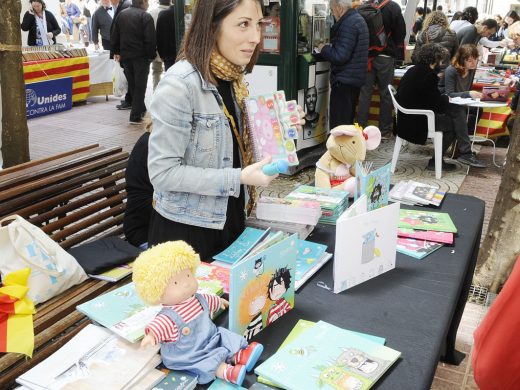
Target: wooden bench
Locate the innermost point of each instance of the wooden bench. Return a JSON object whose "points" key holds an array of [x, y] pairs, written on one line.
{"points": [[73, 197]]}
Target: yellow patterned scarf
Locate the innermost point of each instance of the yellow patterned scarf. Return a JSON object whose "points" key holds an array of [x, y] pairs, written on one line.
{"points": [[225, 70]]}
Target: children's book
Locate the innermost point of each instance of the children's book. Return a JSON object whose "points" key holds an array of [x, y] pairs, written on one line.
{"points": [[93, 359], [306, 212], [426, 220], [265, 124], [148, 377], [419, 193], [176, 380], [115, 274], [241, 246], [375, 184], [262, 286], [418, 249], [365, 244], [213, 278], [428, 235], [219, 384], [311, 257], [302, 230], [325, 356]]}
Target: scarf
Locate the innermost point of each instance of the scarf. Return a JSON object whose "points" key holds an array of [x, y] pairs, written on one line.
{"points": [[41, 26], [225, 70]]}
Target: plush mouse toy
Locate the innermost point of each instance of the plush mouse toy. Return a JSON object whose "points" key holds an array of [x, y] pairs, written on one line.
{"points": [[346, 145]]}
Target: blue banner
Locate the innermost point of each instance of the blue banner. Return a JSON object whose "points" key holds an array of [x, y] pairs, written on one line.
{"points": [[48, 97]]}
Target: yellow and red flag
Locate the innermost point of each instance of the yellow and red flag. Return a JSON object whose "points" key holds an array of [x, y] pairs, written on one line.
{"points": [[16, 314]]}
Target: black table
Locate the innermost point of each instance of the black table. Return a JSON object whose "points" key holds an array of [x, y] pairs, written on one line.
{"points": [[417, 306]]}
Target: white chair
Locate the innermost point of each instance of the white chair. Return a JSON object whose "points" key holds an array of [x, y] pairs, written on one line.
{"points": [[435, 135]]}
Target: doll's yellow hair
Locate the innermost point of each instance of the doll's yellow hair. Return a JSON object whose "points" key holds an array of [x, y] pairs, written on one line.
{"points": [[154, 268]]}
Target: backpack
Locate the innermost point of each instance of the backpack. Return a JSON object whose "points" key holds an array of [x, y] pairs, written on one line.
{"points": [[378, 39]]}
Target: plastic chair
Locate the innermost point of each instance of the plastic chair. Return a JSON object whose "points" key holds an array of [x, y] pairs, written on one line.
{"points": [[436, 136]]}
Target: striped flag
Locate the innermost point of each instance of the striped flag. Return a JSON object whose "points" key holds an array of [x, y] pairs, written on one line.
{"points": [[16, 314], [493, 121], [77, 68]]}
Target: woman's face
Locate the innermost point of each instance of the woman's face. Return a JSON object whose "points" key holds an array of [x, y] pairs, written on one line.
{"points": [[471, 63], [240, 33], [37, 7]]}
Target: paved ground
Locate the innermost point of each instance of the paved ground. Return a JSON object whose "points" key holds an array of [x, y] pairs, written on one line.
{"points": [[98, 121]]}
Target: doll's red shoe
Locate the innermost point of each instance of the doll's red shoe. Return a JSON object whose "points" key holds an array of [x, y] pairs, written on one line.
{"points": [[235, 374], [249, 355]]}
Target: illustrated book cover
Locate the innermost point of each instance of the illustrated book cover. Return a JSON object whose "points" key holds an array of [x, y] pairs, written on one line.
{"points": [[262, 285], [241, 246], [428, 235], [212, 278], [311, 257], [418, 249], [365, 244], [115, 274], [375, 184], [327, 357], [426, 220], [176, 380]]}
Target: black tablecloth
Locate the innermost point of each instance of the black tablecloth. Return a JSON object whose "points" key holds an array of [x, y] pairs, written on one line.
{"points": [[417, 306]]}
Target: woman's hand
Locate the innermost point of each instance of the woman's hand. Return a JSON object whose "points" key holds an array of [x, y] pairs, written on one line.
{"points": [[475, 95], [148, 340], [252, 175]]}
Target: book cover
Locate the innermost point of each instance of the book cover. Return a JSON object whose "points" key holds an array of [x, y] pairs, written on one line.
{"points": [[115, 274], [375, 184], [241, 246], [316, 266], [365, 244], [426, 220], [219, 384], [329, 199], [262, 287], [438, 198], [176, 380], [213, 278], [417, 249], [419, 193], [309, 257], [267, 131], [428, 235], [325, 356]]}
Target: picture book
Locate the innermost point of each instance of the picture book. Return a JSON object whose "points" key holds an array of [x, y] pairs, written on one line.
{"points": [[428, 235], [93, 359], [426, 220], [302, 230], [437, 198], [365, 244], [176, 380], [219, 384], [115, 274], [306, 212], [375, 184], [418, 249], [266, 129], [213, 278], [241, 246], [311, 257], [262, 286], [328, 357], [148, 377], [411, 193]]}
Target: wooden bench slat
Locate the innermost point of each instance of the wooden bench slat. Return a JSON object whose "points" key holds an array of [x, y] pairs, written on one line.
{"points": [[94, 231]]}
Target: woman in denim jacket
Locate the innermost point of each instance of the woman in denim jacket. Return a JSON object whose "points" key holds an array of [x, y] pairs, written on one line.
{"points": [[199, 154]]}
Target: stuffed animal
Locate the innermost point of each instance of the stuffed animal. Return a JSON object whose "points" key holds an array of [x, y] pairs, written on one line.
{"points": [[346, 145], [189, 339]]}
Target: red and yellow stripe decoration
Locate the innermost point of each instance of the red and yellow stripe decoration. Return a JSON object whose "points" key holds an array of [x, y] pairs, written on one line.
{"points": [[77, 68], [493, 122], [16, 314]]}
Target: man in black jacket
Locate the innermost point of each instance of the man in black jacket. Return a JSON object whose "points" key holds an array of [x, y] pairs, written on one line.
{"points": [[117, 7], [348, 55], [166, 45], [133, 44], [101, 24], [381, 67], [418, 90]]}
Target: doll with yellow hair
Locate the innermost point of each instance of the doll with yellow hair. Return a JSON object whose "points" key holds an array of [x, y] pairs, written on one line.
{"points": [[189, 339]]}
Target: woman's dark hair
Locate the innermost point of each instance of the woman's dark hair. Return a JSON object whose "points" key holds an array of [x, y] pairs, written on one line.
{"points": [[465, 52], [470, 14], [513, 15], [39, 1], [456, 16], [430, 53], [201, 37]]}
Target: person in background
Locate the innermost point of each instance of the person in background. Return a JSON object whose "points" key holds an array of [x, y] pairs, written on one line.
{"points": [[457, 82], [510, 18], [381, 69], [479, 33], [41, 24], [72, 18], [418, 90], [419, 19], [456, 16], [436, 30], [166, 39], [348, 57], [133, 43], [117, 7], [439, 8], [101, 23], [200, 155], [499, 35], [469, 16], [157, 63]]}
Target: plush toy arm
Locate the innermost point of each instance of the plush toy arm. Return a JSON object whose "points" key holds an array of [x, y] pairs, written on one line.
{"points": [[321, 179]]}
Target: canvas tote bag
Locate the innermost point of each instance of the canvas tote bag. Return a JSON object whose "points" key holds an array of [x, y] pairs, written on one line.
{"points": [[53, 270]]}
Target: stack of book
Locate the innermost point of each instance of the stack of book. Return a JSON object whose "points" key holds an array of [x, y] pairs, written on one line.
{"points": [[305, 212], [421, 232], [413, 193], [39, 53], [302, 230], [332, 202]]}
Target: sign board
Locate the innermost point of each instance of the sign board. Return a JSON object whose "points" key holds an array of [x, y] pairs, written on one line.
{"points": [[48, 97]]}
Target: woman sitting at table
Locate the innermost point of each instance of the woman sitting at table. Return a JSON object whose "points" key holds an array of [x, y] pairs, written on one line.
{"points": [[41, 24], [457, 82], [418, 90]]}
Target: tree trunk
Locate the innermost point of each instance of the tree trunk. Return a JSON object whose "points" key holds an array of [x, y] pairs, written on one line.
{"points": [[15, 134], [501, 245]]}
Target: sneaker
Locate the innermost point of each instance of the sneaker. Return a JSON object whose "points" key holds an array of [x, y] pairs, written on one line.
{"points": [[249, 355], [235, 374], [124, 106], [446, 167], [470, 159]]}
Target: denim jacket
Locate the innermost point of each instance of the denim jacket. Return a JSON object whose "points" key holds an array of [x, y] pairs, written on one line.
{"points": [[190, 158]]}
